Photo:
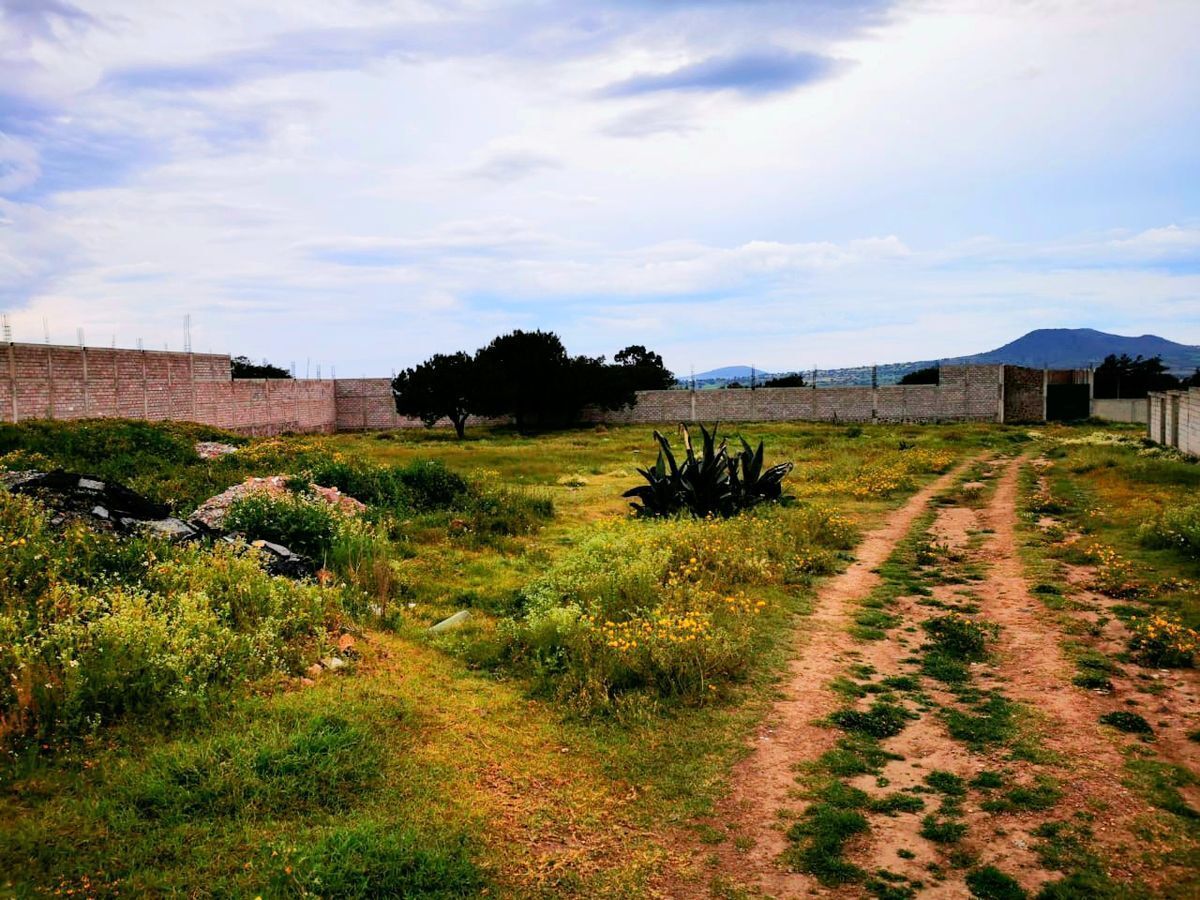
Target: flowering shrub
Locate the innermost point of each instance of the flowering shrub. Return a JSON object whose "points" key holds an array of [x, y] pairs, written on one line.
{"points": [[299, 523], [668, 607], [1177, 528], [1164, 642], [1114, 575], [93, 627], [958, 636]]}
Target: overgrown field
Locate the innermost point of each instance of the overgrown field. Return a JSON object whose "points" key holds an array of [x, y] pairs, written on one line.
{"points": [[165, 732]]}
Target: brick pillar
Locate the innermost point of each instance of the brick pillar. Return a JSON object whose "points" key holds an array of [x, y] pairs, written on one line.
{"points": [[49, 383], [145, 390], [83, 354], [12, 380]]}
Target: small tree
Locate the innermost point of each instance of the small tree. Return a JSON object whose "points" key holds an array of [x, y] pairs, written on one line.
{"points": [[244, 367], [444, 386]]}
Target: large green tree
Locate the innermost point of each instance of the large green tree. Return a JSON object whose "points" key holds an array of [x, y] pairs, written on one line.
{"points": [[642, 369], [530, 376], [444, 386]]}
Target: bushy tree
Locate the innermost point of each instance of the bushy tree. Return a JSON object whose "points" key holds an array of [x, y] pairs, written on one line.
{"points": [[1131, 378], [927, 375], [244, 367], [444, 386], [793, 380], [642, 369], [529, 375]]}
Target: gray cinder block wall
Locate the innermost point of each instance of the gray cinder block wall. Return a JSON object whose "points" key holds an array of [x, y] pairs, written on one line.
{"points": [[1175, 420]]}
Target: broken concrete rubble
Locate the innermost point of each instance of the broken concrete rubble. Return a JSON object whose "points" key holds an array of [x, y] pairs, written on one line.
{"points": [[211, 513], [113, 507]]}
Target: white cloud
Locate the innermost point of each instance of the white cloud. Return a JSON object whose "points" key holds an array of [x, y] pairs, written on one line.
{"points": [[975, 169]]}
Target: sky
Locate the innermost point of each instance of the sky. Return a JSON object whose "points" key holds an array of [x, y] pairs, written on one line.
{"points": [[362, 183]]}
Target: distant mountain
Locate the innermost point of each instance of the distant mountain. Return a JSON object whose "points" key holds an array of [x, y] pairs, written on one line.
{"points": [[1078, 348], [1054, 348], [727, 373]]}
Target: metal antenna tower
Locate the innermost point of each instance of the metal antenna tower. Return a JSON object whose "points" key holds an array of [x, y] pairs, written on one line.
{"points": [[46, 328], [7, 329], [79, 334], [187, 333]]}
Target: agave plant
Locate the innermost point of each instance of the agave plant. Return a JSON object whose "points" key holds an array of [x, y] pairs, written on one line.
{"points": [[709, 483], [754, 485]]}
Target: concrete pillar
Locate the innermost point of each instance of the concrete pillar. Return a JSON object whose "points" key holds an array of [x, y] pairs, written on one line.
{"points": [[1000, 394], [83, 354], [1045, 392], [145, 390]]}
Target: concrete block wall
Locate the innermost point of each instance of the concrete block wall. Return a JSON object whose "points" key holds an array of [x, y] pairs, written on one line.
{"points": [[966, 393], [1174, 420], [1111, 410]]}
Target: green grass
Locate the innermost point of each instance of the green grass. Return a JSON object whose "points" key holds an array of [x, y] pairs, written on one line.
{"points": [[435, 767]]}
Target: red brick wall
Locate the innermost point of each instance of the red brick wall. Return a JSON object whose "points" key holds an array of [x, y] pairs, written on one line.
{"points": [[366, 404], [75, 383]]}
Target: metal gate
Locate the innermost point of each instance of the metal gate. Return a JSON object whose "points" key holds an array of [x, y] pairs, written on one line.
{"points": [[1067, 402]]}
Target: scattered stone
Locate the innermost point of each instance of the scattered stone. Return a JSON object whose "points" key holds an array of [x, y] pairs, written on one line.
{"points": [[307, 682], [346, 643], [172, 529], [333, 663], [75, 497], [315, 670], [973, 487], [454, 621], [282, 561]]}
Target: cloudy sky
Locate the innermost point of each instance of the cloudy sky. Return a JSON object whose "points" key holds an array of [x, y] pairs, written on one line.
{"points": [[789, 184]]}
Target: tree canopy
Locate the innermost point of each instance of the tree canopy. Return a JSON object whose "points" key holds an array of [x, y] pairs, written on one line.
{"points": [[529, 376], [244, 367], [927, 375], [795, 379], [444, 386], [1131, 378]]}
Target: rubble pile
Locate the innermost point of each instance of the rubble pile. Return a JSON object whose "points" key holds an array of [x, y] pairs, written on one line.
{"points": [[211, 513], [108, 506]]}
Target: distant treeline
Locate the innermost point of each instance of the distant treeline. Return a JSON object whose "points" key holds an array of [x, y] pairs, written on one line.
{"points": [[1122, 377]]}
